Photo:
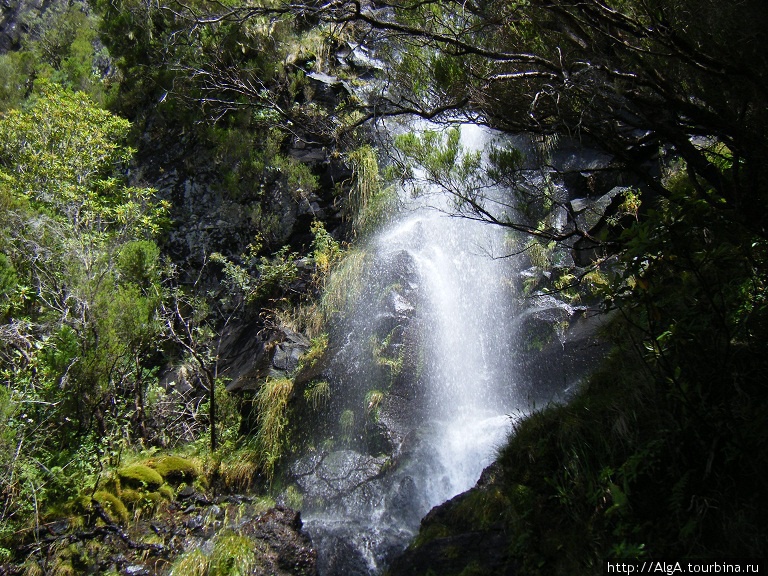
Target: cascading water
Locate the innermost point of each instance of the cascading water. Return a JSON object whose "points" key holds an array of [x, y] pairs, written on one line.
{"points": [[433, 274], [462, 312]]}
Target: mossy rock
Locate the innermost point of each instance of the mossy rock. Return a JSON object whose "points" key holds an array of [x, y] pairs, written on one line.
{"points": [[113, 506], [131, 497], [175, 469], [140, 476], [139, 498], [166, 492], [111, 485]]}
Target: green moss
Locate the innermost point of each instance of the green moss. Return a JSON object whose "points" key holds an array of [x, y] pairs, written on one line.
{"points": [[140, 501], [131, 497], [294, 498], [140, 476], [175, 469], [474, 569], [430, 532], [166, 492], [483, 508], [113, 506]]}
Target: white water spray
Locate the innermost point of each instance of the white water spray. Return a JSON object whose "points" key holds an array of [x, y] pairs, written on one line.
{"points": [[464, 309]]}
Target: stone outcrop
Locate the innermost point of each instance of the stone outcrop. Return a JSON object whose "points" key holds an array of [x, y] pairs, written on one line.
{"points": [[191, 523], [465, 535]]}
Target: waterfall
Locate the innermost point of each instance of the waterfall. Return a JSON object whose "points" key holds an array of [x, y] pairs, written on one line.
{"points": [[434, 284]]}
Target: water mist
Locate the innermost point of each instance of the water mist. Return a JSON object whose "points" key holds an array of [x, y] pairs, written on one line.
{"points": [[455, 299]]}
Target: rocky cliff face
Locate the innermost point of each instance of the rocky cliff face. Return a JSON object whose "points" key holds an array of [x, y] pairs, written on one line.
{"points": [[16, 17]]}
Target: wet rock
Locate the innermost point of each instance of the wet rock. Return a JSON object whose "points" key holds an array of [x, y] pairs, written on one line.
{"points": [[482, 552], [185, 493], [590, 213], [358, 57], [451, 543], [568, 346], [286, 356], [348, 547], [15, 18], [400, 500], [338, 475], [281, 529], [328, 89]]}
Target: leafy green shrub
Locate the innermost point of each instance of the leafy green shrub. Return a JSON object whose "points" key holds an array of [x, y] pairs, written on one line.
{"points": [[297, 175], [276, 274], [138, 262], [326, 251]]}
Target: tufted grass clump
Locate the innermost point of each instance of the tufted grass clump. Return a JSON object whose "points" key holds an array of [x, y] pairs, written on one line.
{"points": [[347, 422], [233, 554], [192, 563], [294, 498], [272, 404], [318, 394], [345, 284], [369, 202], [372, 401], [240, 466], [317, 347]]}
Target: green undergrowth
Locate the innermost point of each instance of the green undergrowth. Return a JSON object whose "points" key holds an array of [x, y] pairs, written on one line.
{"points": [[232, 554], [617, 472], [272, 402], [139, 488]]}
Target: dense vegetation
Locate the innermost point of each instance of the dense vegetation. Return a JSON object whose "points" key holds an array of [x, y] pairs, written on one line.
{"points": [[96, 304], [661, 453]]}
